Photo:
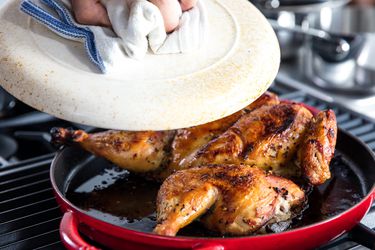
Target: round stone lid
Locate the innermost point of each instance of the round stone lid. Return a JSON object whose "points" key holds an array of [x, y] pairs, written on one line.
{"points": [[238, 62]]}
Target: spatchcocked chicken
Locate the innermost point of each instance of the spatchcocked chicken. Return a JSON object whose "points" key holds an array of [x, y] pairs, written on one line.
{"points": [[230, 173]]}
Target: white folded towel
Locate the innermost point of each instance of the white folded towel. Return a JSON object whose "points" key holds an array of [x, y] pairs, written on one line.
{"points": [[138, 25], [136, 21]]}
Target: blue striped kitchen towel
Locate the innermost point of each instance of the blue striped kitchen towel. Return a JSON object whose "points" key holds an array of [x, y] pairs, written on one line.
{"points": [[55, 16]]}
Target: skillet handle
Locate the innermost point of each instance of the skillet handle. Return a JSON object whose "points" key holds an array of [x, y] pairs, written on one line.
{"points": [[363, 235], [69, 233], [208, 246]]}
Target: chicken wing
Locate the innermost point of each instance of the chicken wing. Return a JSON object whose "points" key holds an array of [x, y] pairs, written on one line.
{"points": [[232, 199], [318, 148]]}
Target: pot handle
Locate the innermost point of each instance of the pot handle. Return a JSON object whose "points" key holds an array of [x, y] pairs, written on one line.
{"points": [[363, 235], [208, 246], [69, 233]]}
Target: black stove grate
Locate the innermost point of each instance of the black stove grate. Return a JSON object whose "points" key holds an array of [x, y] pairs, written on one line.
{"points": [[30, 217]]}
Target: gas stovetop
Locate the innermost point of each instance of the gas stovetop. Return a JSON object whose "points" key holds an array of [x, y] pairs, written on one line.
{"points": [[29, 215]]}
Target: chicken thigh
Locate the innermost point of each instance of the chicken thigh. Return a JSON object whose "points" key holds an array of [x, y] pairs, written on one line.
{"points": [[232, 199]]}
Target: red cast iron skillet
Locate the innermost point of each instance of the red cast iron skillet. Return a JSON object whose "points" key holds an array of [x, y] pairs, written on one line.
{"points": [[73, 166]]}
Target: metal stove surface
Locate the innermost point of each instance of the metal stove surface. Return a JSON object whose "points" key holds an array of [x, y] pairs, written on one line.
{"points": [[29, 215]]}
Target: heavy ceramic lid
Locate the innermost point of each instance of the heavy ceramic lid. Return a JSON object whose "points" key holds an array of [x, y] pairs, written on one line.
{"points": [[235, 66]]}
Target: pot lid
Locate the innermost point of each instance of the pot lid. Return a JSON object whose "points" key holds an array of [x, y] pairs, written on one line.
{"points": [[237, 64]]}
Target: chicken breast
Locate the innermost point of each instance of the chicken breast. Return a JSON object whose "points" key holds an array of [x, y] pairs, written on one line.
{"points": [[189, 140], [268, 137]]}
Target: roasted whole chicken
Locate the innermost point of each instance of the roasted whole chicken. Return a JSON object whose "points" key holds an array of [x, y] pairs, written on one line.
{"points": [[235, 167]]}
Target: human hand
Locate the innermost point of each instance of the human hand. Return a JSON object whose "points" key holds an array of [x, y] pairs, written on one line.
{"points": [[187, 4], [90, 12], [171, 12]]}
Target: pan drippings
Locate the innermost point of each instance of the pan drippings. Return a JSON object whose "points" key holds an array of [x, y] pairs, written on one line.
{"points": [[118, 197], [128, 200], [338, 194]]}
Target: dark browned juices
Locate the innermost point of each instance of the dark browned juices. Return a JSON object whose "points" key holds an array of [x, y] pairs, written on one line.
{"points": [[128, 200]]}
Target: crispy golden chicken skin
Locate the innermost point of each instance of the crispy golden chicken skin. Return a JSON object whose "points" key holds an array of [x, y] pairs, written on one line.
{"points": [[318, 148], [268, 137], [188, 140], [241, 199]]}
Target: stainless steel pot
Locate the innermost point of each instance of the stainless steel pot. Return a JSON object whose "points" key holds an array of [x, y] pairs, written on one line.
{"points": [[355, 74], [291, 13]]}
